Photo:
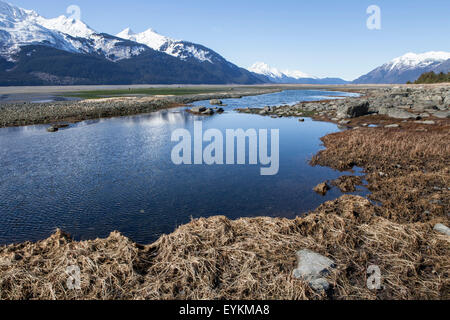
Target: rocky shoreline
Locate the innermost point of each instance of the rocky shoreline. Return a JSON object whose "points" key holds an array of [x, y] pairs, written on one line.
{"points": [[402, 229], [386, 106], [21, 114]]}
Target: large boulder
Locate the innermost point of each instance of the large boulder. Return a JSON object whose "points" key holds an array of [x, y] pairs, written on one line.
{"points": [[353, 110], [313, 268]]}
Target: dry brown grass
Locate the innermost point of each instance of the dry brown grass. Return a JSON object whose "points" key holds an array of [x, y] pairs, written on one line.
{"points": [[385, 149], [408, 171], [348, 183], [244, 259]]}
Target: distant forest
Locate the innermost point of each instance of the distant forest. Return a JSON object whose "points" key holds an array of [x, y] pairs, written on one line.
{"points": [[431, 77]]}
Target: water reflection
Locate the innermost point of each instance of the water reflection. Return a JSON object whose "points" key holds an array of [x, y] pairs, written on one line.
{"points": [[116, 174]]}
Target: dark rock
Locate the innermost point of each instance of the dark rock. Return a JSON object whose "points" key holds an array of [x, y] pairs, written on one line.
{"points": [[322, 188], [353, 110]]}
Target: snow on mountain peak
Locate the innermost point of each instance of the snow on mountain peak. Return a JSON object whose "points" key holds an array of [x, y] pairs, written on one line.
{"points": [[297, 74], [124, 34], [11, 12], [266, 70], [175, 48], [20, 27], [72, 27], [149, 37], [413, 60]]}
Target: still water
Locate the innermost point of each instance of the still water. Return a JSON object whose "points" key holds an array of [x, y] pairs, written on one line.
{"points": [[116, 174]]}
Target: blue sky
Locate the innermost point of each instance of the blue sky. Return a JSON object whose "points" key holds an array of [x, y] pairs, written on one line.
{"points": [[322, 38]]}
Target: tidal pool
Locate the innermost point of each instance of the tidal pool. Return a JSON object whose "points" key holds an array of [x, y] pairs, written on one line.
{"points": [[116, 174]]}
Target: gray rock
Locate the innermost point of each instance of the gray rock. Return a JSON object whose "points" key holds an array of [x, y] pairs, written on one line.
{"points": [[442, 114], [313, 267], [426, 122], [400, 114], [442, 229], [392, 126], [319, 284], [52, 129]]}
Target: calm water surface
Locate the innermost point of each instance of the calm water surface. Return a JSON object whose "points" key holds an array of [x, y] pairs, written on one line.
{"points": [[117, 174]]}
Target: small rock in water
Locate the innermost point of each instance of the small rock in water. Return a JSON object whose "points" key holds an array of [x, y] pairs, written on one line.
{"points": [[313, 267], [442, 229], [322, 188], [52, 129], [301, 120], [198, 109]]}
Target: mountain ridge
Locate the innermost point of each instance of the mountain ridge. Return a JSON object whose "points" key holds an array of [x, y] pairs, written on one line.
{"points": [[408, 67], [290, 77], [68, 40]]}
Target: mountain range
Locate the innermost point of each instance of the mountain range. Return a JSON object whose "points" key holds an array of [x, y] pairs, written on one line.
{"points": [[276, 76], [62, 51], [39, 51], [408, 67]]}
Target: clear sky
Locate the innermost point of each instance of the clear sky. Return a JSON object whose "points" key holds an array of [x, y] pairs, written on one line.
{"points": [[320, 37]]}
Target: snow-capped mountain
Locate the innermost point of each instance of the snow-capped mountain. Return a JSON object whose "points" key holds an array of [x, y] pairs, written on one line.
{"points": [[20, 27], [176, 48], [287, 76], [36, 50], [276, 75], [408, 67]]}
